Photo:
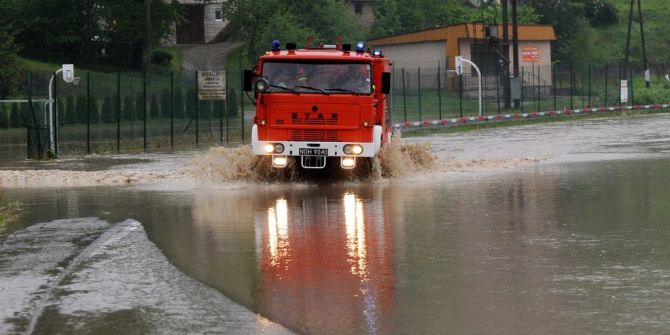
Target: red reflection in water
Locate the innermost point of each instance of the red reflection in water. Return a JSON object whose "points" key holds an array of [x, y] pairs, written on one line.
{"points": [[326, 265]]}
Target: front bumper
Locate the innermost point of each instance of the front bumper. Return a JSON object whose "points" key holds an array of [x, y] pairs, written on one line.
{"points": [[335, 149]]}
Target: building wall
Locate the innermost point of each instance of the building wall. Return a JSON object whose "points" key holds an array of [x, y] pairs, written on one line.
{"points": [[367, 16], [414, 55], [213, 26]]}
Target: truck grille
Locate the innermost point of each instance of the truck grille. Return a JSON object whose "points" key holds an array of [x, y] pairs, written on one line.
{"points": [[316, 135], [315, 121]]}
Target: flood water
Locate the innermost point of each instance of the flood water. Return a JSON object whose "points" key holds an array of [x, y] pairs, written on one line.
{"points": [[578, 242]]}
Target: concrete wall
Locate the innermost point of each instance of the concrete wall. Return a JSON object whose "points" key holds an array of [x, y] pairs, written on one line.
{"points": [[213, 26], [414, 55]]}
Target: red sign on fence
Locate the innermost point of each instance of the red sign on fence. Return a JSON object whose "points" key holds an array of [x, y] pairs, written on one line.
{"points": [[530, 54]]}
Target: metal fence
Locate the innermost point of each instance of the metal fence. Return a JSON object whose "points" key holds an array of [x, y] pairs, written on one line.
{"points": [[123, 112], [134, 112], [420, 94]]}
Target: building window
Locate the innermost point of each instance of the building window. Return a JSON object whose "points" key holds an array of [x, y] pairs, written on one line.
{"points": [[218, 15], [358, 8]]}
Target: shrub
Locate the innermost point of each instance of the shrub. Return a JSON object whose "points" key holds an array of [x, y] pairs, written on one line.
{"points": [[166, 100], [161, 58], [108, 113], [15, 116], [128, 109], [139, 107], [81, 109], [4, 117], [154, 110], [178, 103], [69, 115]]}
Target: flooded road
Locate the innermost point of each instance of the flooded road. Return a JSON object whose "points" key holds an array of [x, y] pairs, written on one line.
{"points": [[557, 228]]}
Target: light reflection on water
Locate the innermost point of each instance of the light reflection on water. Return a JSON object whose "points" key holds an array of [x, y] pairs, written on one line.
{"points": [[555, 249]]}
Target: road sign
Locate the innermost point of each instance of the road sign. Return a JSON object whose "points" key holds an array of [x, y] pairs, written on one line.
{"points": [[211, 85]]}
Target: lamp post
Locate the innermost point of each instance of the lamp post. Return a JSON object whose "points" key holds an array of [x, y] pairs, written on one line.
{"points": [[68, 77]]}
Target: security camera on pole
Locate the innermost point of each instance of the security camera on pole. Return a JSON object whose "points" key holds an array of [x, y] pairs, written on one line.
{"points": [[68, 77]]}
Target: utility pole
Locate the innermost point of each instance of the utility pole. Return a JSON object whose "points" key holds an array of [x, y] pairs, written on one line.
{"points": [[647, 75], [147, 38], [515, 47], [505, 47]]}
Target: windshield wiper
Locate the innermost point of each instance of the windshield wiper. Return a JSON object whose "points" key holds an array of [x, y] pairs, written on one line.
{"points": [[311, 88], [341, 90], [284, 88]]}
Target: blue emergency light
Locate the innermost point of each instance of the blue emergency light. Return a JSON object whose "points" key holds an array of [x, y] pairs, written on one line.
{"points": [[276, 45], [360, 47], [377, 53]]}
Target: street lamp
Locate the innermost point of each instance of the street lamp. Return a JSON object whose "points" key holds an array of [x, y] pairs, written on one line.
{"points": [[68, 77]]}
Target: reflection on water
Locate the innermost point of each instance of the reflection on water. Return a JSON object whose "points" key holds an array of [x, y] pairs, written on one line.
{"points": [[315, 265], [572, 249]]}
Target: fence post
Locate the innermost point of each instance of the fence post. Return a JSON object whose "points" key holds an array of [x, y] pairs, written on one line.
{"points": [[632, 88], [498, 87], [419, 83], [172, 109], [55, 118], [227, 110], [439, 91], [522, 76], [242, 97], [404, 95], [197, 112], [572, 78], [620, 79], [553, 82], [221, 121], [460, 93], [589, 85], [144, 109], [606, 78], [88, 113], [118, 111], [539, 102]]}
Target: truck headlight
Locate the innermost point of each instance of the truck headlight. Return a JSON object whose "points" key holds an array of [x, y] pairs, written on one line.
{"points": [[276, 148], [353, 149]]}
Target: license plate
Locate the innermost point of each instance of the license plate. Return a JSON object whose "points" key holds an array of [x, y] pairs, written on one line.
{"points": [[313, 152]]}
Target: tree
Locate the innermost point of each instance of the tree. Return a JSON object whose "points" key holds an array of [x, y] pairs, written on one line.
{"points": [[79, 30], [8, 70], [258, 22]]}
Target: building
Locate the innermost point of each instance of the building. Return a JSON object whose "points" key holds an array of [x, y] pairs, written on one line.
{"points": [[435, 47], [362, 11], [203, 22]]}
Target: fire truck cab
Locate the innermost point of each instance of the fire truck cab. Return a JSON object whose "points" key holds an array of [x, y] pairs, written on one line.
{"points": [[319, 104]]}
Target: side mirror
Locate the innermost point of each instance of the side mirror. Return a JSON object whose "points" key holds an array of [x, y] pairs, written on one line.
{"points": [[248, 77], [386, 82]]}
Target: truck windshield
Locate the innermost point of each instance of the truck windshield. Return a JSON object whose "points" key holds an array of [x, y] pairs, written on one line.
{"points": [[328, 78]]}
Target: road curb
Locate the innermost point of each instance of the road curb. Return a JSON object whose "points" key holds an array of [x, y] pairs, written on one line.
{"points": [[474, 120]]}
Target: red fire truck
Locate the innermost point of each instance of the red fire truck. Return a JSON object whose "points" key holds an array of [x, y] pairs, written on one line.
{"points": [[319, 105]]}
